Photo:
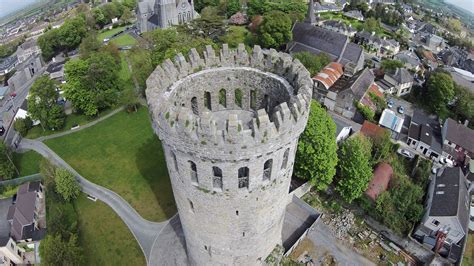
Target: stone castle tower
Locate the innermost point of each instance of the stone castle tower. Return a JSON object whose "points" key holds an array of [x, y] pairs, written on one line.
{"points": [[229, 124]]}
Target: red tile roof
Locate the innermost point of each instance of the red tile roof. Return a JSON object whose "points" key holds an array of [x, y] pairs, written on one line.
{"points": [[329, 74], [379, 183], [370, 129]]}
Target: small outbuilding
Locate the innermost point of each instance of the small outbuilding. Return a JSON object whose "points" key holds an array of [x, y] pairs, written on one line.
{"points": [[380, 181]]}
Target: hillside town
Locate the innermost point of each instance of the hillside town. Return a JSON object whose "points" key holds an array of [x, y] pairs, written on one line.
{"points": [[237, 132]]}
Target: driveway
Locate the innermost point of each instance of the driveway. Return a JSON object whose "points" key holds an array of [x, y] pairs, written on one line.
{"points": [[4, 224]]}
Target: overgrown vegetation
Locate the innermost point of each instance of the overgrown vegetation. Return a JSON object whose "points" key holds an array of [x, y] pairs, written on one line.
{"points": [[313, 63]]}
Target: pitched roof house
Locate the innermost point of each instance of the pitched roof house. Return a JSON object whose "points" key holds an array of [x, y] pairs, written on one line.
{"points": [[338, 47], [342, 101], [409, 59], [447, 209], [24, 215], [339, 27], [458, 140], [382, 46], [398, 82], [27, 49], [424, 135]]}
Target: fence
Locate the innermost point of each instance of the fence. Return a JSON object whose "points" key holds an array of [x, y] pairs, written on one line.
{"points": [[21, 180]]}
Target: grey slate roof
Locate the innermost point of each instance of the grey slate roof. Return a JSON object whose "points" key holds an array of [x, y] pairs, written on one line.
{"points": [[408, 57], [460, 134], [307, 37], [8, 62], [401, 75], [361, 83], [23, 211], [450, 194]]}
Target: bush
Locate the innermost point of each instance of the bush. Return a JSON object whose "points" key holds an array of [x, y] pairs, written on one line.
{"points": [[366, 112], [66, 184]]}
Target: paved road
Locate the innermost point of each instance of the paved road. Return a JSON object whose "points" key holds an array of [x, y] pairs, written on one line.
{"points": [[146, 232]]}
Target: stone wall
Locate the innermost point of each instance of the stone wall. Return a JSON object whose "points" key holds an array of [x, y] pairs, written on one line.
{"points": [[230, 161]]}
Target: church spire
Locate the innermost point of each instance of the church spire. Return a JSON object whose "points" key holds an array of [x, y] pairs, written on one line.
{"points": [[310, 18]]}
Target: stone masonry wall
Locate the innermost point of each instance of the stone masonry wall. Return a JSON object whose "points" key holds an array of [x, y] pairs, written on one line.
{"points": [[230, 164]]}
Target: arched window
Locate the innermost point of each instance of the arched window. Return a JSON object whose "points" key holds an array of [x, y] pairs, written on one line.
{"points": [[267, 169], [189, 16], [175, 162], [194, 175], [207, 100], [244, 177], [179, 18], [285, 158], [194, 105], [217, 178], [223, 98], [238, 97]]}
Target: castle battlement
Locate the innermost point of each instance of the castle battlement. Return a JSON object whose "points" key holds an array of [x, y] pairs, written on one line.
{"points": [[273, 99]]}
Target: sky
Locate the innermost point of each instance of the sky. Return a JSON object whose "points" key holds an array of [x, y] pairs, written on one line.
{"points": [[466, 4], [9, 6]]}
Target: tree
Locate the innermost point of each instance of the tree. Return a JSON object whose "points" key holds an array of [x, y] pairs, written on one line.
{"points": [[93, 84], [454, 25], [43, 106], [22, 125], [391, 65], [233, 6], [7, 168], [126, 16], [316, 157], [314, 63], [355, 170], [66, 184], [440, 91], [142, 66], [71, 33], [89, 44], [56, 251], [275, 31], [381, 147], [47, 171], [201, 4], [236, 35], [371, 25], [464, 105], [49, 43]]}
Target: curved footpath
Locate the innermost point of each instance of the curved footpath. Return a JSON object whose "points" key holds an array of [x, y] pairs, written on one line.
{"points": [[146, 232]]}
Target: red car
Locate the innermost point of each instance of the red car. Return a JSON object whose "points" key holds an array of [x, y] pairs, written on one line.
{"points": [[13, 94]]}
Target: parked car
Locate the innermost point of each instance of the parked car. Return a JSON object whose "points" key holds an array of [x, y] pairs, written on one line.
{"points": [[2, 130], [447, 162], [405, 153], [390, 103], [401, 109], [471, 215], [13, 94]]}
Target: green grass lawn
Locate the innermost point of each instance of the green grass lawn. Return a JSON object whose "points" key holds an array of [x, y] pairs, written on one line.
{"points": [[27, 163], [124, 40], [71, 120], [104, 237], [125, 75], [107, 33], [123, 154]]}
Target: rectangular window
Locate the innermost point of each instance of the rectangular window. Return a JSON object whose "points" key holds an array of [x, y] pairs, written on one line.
{"points": [[194, 175], [267, 170], [217, 178], [244, 177]]}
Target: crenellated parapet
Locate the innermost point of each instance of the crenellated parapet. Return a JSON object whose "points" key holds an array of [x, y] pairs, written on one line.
{"points": [[229, 97]]}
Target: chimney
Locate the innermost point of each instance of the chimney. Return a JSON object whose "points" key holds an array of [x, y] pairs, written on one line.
{"points": [[310, 18]]}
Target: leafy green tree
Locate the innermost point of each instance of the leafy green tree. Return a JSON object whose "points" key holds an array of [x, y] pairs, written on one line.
{"points": [[49, 43], [371, 25], [99, 17], [126, 16], [275, 31], [23, 125], [440, 91], [391, 65], [381, 147], [236, 35], [233, 6], [47, 171], [140, 60], [454, 25], [71, 33], [93, 84], [464, 105], [7, 168], [56, 251], [316, 157], [355, 169], [89, 44], [314, 63], [255, 7], [201, 4], [43, 106], [130, 4], [66, 184]]}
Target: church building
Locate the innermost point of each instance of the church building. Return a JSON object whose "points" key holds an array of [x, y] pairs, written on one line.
{"points": [[152, 14]]}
